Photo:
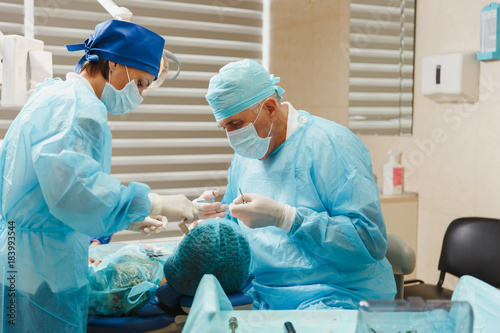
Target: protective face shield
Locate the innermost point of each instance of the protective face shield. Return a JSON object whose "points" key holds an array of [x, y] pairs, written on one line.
{"points": [[162, 75], [123, 101], [246, 142]]}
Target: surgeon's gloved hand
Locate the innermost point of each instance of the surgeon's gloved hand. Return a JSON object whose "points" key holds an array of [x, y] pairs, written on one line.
{"points": [[173, 205], [260, 211], [149, 225], [208, 208]]}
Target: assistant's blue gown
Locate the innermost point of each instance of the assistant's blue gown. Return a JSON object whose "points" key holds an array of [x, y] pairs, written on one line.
{"points": [[334, 254], [55, 191]]}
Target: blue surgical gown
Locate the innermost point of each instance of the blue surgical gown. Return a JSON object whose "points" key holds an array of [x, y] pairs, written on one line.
{"points": [[55, 192], [334, 254]]}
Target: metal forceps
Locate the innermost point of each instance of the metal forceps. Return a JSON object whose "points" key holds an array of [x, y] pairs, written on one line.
{"points": [[242, 197]]}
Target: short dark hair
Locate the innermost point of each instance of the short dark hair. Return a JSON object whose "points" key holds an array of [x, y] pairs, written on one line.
{"points": [[94, 67]]}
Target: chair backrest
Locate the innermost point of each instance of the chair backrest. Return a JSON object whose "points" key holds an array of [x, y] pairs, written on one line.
{"points": [[471, 246]]}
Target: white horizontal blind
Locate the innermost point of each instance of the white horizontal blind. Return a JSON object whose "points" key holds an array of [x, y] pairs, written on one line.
{"points": [[171, 142], [381, 66]]}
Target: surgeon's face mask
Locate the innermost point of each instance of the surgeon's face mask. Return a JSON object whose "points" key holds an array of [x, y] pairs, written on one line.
{"points": [[246, 142], [121, 101]]}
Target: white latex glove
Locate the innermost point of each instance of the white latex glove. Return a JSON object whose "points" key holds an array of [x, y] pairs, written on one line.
{"points": [[260, 211], [149, 225], [173, 205], [207, 208]]}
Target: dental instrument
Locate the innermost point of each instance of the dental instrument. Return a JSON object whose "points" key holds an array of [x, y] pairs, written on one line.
{"points": [[233, 324], [242, 197]]}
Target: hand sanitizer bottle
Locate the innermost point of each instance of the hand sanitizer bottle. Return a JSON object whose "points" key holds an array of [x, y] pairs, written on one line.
{"points": [[393, 174]]}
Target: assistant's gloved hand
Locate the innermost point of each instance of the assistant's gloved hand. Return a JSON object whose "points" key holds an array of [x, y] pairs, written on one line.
{"points": [[207, 208], [149, 225], [173, 205], [261, 211]]}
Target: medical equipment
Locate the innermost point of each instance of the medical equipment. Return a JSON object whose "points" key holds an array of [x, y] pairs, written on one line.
{"points": [[242, 197], [23, 64], [211, 311], [264, 212], [414, 315], [288, 328], [233, 323], [208, 207], [118, 13], [489, 47], [154, 251], [215, 194], [182, 225]]}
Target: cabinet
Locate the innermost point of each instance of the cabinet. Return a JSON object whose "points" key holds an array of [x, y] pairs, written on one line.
{"points": [[401, 217]]}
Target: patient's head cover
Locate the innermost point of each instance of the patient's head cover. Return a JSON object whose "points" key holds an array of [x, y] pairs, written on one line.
{"points": [[215, 246]]}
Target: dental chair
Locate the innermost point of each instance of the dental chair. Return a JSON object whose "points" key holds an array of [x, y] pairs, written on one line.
{"points": [[166, 312], [402, 258], [159, 323]]}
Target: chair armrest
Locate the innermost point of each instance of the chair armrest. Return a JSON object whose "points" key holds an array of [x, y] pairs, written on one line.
{"points": [[400, 255]]}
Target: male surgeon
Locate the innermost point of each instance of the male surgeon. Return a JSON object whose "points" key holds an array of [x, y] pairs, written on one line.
{"points": [[308, 204]]}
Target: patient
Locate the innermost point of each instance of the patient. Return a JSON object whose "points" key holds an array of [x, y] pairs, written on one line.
{"points": [[129, 274], [212, 246]]}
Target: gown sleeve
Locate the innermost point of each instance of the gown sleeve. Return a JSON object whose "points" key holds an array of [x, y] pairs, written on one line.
{"points": [[78, 192], [351, 226]]}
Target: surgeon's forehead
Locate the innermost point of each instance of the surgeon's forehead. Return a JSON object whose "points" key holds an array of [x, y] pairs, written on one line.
{"points": [[143, 74]]}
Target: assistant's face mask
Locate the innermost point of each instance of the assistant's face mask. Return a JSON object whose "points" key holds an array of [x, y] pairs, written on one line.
{"points": [[121, 101], [246, 142]]}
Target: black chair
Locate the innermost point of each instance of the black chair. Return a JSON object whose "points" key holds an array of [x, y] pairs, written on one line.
{"points": [[471, 246]]}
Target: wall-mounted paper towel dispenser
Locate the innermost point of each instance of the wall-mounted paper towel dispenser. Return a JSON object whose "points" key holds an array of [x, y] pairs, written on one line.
{"points": [[451, 78]]}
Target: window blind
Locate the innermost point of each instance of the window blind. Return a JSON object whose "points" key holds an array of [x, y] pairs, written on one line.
{"points": [[171, 142], [381, 66]]}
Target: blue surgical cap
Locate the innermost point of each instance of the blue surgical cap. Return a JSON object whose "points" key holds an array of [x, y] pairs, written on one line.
{"points": [[215, 246], [238, 86], [125, 43]]}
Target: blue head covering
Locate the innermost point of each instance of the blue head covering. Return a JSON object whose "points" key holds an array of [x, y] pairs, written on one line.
{"points": [[215, 246], [238, 86], [125, 43]]}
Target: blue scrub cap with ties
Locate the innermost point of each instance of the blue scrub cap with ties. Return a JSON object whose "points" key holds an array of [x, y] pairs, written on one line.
{"points": [[238, 86], [125, 43]]}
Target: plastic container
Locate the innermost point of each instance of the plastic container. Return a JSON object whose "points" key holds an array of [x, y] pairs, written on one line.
{"points": [[414, 315], [393, 174]]}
